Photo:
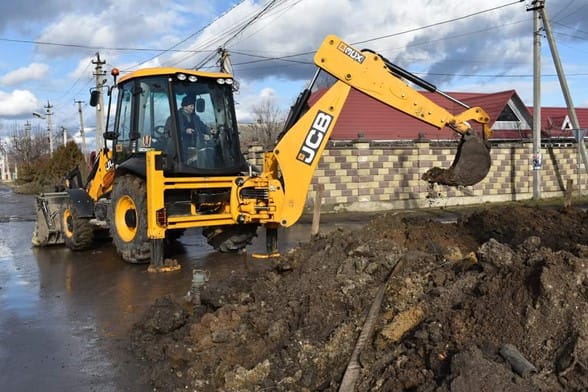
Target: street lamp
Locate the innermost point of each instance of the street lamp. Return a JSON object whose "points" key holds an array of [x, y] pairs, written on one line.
{"points": [[48, 118]]}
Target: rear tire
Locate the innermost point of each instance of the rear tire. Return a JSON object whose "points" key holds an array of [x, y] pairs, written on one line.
{"points": [[128, 219], [78, 233], [230, 238]]}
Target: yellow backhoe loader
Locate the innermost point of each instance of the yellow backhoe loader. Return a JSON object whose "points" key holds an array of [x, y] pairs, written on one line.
{"points": [[149, 183]]}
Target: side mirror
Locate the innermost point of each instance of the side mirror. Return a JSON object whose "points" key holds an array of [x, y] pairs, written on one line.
{"points": [[200, 105], [94, 95], [110, 135]]}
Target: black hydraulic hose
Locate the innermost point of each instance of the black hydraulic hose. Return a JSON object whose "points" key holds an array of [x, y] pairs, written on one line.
{"points": [[299, 108], [403, 73]]}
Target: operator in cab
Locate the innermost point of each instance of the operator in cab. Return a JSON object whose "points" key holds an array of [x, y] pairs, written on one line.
{"points": [[195, 137], [191, 126]]}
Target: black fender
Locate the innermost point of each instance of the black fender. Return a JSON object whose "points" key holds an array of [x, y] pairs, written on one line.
{"points": [[81, 202], [134, 165]]}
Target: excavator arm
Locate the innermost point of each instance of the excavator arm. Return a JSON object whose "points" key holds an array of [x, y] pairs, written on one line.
{"points": [[307, 129]]}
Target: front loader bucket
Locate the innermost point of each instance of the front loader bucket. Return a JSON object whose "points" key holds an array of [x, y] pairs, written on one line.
{"points": [[48, 225], [470, 166]]}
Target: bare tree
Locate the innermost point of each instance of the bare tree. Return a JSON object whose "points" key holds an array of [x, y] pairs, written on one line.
{"points": [[26, 148], [268, 122]]}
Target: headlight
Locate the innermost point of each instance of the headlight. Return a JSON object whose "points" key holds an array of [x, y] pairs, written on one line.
{"points": [[192, 78], [181, 77]]}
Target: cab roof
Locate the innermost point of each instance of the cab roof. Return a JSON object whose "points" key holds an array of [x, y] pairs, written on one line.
{"points": [[164, 71]]}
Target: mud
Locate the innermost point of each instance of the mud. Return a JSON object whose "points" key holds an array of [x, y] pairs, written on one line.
{"points": [[454, 299]]}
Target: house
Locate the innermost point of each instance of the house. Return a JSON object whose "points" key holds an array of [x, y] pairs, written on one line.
{"points": [[556, 123], [373, 163], [365, 118]]}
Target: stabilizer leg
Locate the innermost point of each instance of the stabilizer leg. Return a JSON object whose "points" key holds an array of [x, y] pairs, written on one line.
{"points": [[158, 262], [271, 243]]}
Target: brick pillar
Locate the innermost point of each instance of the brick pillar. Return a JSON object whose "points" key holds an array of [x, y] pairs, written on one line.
{"points": [[362, 152], [426, 161], [255, 156]]}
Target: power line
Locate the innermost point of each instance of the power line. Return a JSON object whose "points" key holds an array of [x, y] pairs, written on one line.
{"points": [[267, 58], [439, 23], [80, 46], [562, 10], [574, 29], [286, 58], [229, 35], [213, 42], [232, 31], [238, 31], [188, 37], [496, 76]]}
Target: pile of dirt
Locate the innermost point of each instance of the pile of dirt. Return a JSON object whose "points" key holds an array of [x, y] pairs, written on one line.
{"points": [[497, 301]]}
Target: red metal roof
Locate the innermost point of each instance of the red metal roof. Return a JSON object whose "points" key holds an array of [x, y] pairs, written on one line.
{"points": [[362, 115], [365, 117], [555, 122]]}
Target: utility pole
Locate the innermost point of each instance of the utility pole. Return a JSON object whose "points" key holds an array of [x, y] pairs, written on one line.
{"points": [[99, 73], [27, 129], [3, 163], [224, 61], [28, 141], [47, 116], [49, 126], [564, 87], [64, 135], [82, 128], [535, 5], [225, 65]]}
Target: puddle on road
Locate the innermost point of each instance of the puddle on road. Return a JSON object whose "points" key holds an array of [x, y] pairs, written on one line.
{"points": [[81, 306], [5, 251], [17, 291]]}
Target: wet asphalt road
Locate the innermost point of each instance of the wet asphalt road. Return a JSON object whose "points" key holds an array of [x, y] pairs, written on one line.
{"points": [[65, 316]]}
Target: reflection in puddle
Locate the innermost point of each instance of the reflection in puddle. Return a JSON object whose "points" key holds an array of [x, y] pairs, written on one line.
{"points": [[17, 293]]}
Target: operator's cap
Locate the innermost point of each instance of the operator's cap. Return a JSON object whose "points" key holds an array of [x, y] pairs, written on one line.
{"points": [[187, 100]]}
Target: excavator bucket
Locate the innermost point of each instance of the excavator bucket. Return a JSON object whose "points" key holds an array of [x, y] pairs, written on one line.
{"points": [[470, 165], [48, 226]]}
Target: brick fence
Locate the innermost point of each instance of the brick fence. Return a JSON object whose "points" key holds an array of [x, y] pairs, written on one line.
{"points": [[374, 176]]}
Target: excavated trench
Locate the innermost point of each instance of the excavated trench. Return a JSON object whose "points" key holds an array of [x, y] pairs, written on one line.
{"points": [[496, 301]]}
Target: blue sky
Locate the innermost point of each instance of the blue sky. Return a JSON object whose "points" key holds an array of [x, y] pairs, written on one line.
{"points": [[47, 50]]}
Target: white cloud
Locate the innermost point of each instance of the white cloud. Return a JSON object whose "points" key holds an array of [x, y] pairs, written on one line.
{"points": [[412, 34], [267, 93], [90, 31], [18, 102], [83, 69], [34, 71], [87, 142], [130, 24]]}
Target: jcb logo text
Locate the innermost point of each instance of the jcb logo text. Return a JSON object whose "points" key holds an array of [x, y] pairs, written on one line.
{"points": [[314, 137]]}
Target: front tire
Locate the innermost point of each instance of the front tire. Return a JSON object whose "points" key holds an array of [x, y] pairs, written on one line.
{"points": [[128, 219], [78, 233]]}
